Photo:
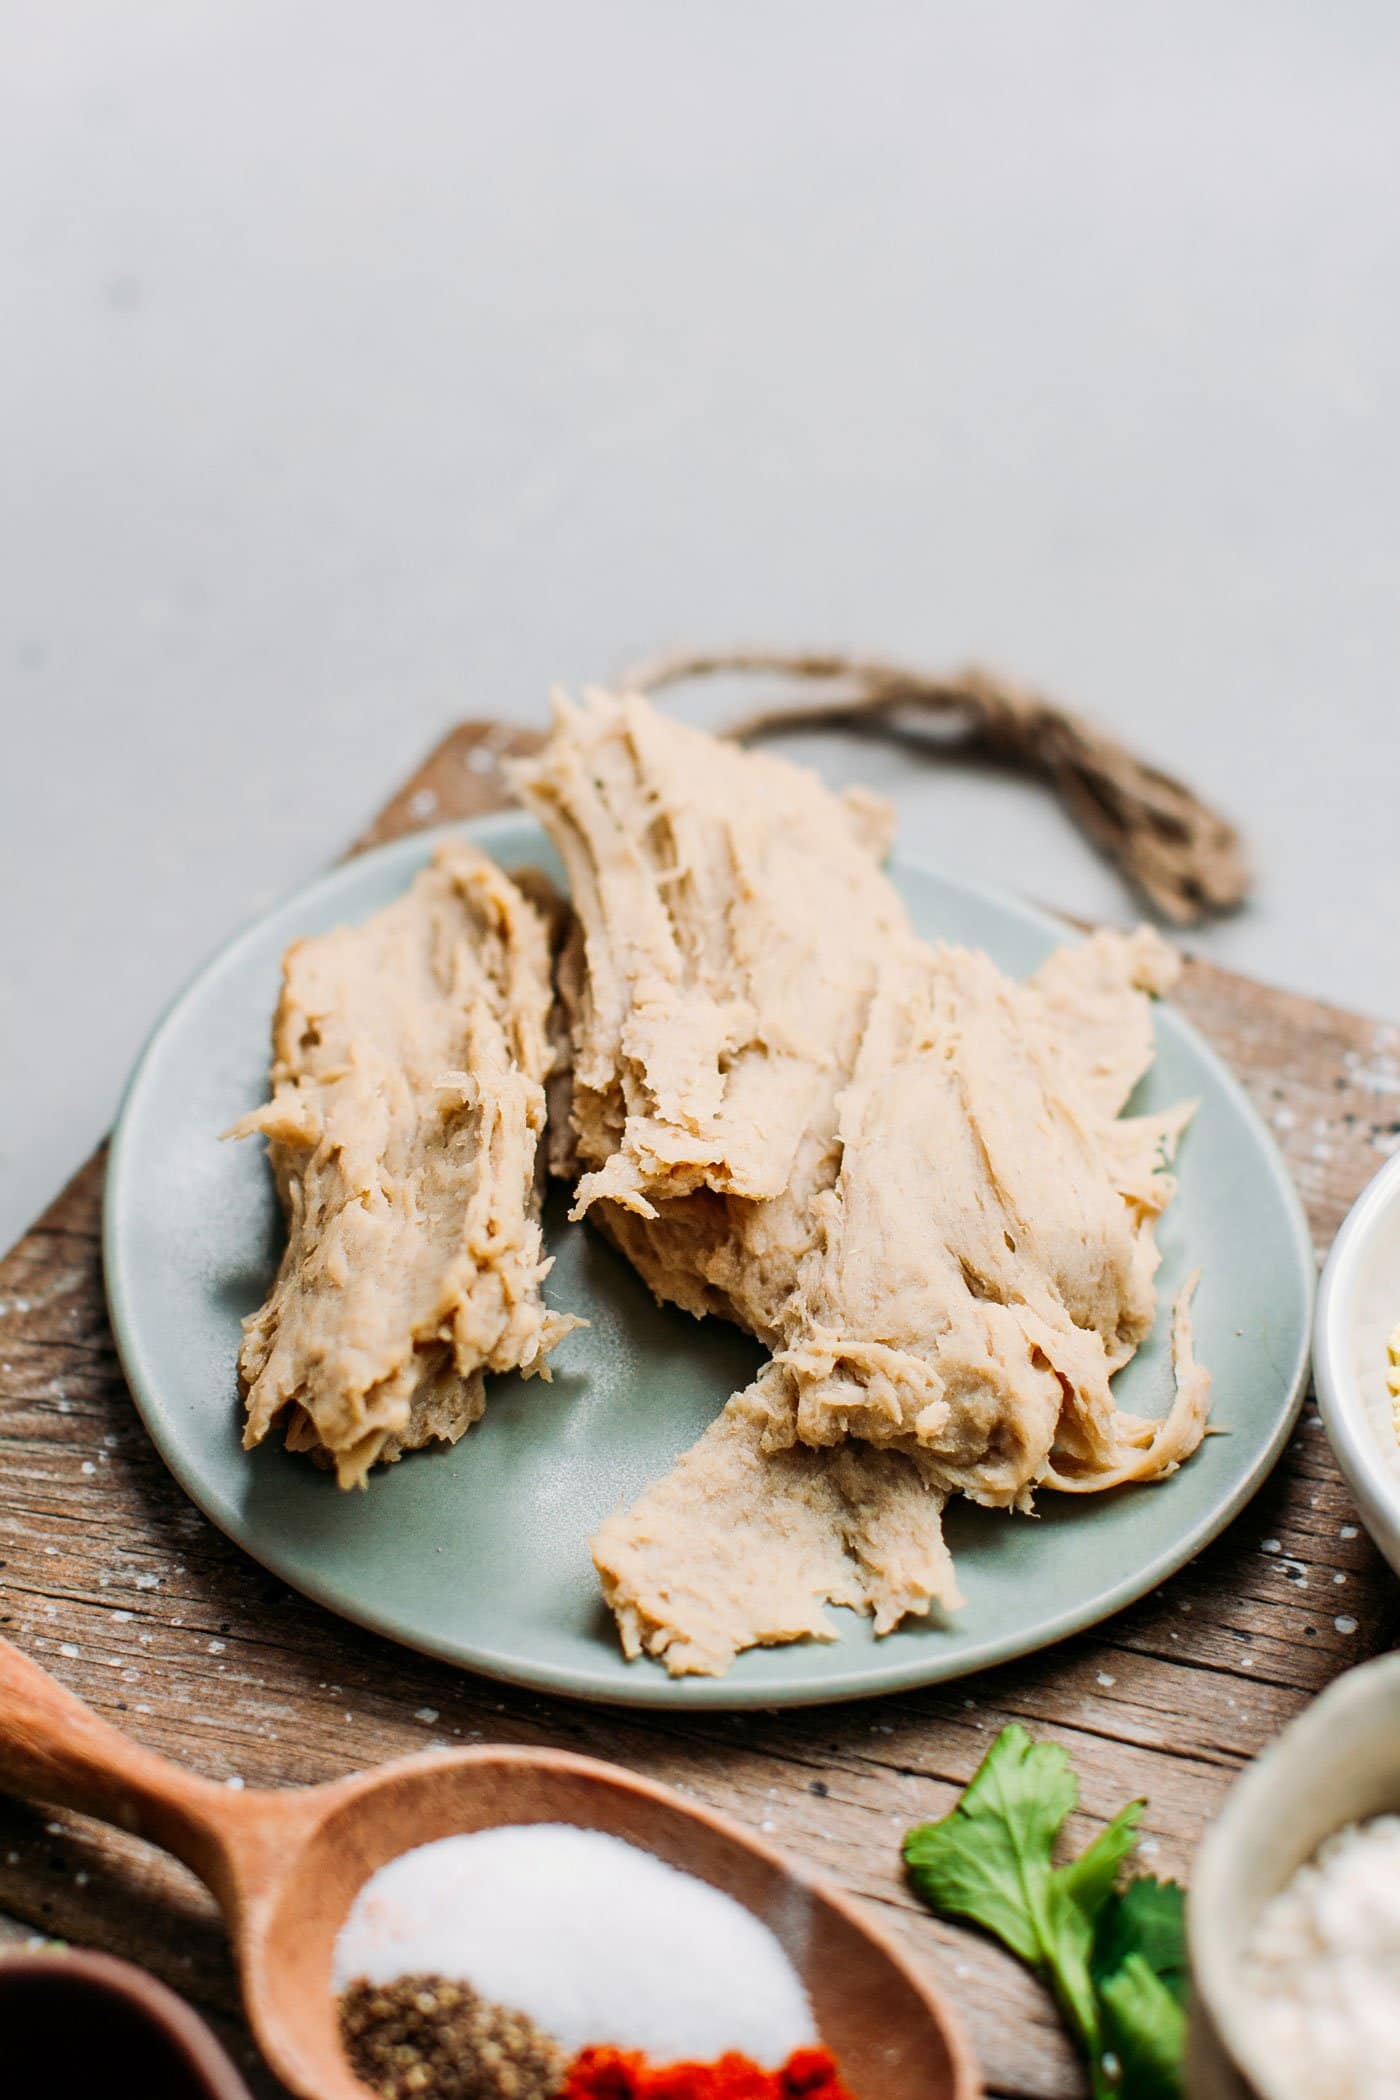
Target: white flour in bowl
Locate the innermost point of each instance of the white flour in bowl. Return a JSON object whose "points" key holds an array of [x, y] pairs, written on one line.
{"points": [[1323, 1971]]}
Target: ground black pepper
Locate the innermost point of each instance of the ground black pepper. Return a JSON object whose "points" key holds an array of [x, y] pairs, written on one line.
{"points": [[426, 2038]]}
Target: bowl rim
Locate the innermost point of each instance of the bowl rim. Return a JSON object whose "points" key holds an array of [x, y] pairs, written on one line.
{"points": [[109, 1976], [1214, 1944], [1350, 1429]]}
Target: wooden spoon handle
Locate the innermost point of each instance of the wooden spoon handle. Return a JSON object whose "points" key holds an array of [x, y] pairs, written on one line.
{"points": [[56, 1750]]}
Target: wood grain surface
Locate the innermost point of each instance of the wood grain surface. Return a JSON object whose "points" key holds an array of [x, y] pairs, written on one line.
{"points": [[121, 1588]]}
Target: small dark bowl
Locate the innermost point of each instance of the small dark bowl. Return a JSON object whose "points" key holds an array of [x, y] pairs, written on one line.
{"points": [[77, 2023]]}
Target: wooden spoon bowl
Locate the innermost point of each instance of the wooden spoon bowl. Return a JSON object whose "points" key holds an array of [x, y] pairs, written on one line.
{"points": [[286, 1867]]}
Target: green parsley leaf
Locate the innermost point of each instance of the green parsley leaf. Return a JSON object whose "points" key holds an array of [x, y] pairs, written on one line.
{"points": [[989, 1860], [1148, 1918], [1143, 2026], [1139, 1971], [1090, 1878], [1115, 1960]]}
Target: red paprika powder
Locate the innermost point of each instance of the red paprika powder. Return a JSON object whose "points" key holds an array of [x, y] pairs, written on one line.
{"points": [[614, 2074]]}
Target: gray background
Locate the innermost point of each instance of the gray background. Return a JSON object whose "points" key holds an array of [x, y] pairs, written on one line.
{"points": [[365, 365]]}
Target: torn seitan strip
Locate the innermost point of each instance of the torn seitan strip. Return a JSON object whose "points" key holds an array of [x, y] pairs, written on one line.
{"points": [[985, 1265], [741, 1547], [409, 1061], [1147, 1449], [987, 1255], [733, 914]]}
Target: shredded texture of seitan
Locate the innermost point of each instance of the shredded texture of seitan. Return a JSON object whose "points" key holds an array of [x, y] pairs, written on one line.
{"points": [[408, 1103], [908, 1175]]}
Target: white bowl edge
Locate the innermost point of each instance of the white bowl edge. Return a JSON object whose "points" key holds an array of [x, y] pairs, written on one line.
{"points": [[1356, 1312], [1338, 1762]]}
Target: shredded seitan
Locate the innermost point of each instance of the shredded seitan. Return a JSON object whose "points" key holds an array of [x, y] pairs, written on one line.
{"points": [[409, 1064], [908, 1175], [912, 1178], [742, 1545]]}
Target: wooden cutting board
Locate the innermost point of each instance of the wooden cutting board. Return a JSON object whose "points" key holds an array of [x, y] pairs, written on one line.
{"points": [[128, 1595]]}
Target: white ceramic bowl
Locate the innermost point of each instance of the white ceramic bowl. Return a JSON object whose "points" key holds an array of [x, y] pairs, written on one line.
{"points": [[1338, 1763], [1358, 1308]]}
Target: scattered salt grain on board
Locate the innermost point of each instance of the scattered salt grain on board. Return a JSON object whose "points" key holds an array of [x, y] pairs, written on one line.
{"points": [[595, 1939]]}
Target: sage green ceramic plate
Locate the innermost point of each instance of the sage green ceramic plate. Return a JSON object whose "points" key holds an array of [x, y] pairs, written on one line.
{"points": [[480, 1554]]}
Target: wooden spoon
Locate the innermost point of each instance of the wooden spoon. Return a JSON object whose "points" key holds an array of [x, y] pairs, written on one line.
{"points": [[285, 1868]]}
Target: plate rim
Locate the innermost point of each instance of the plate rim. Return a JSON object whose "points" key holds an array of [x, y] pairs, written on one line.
{"points": [[652, 1687]]}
